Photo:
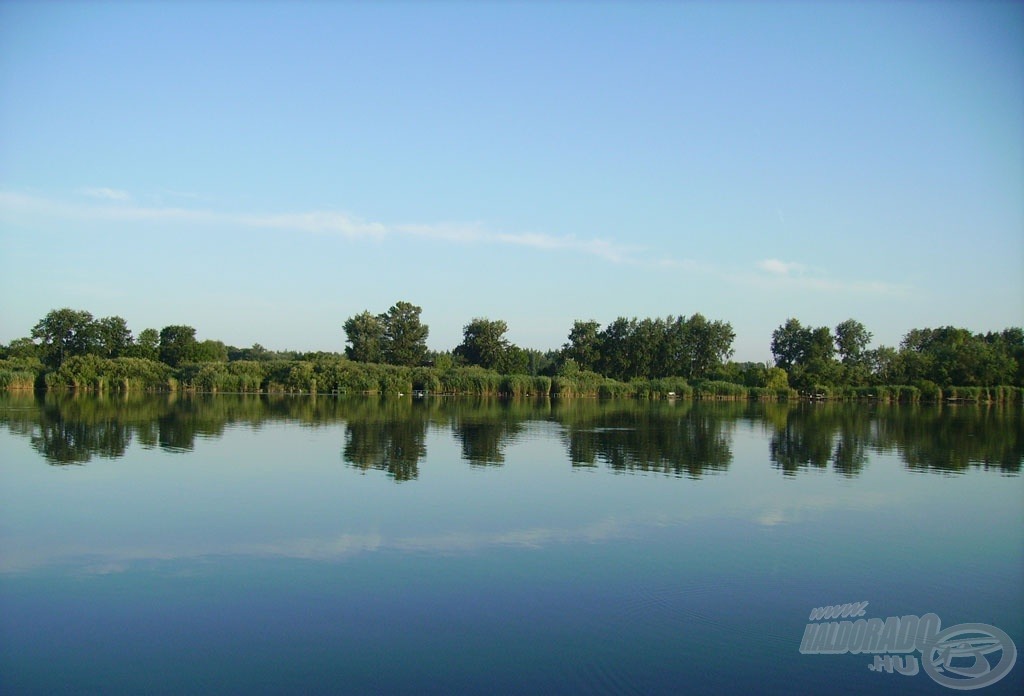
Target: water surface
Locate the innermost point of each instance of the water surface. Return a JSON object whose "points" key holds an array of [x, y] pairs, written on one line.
{"points": [[172, 544]]}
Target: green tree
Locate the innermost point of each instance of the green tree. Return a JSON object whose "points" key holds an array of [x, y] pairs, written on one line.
{"points": [[113, 338], [708, 344], [177, 344], [366, 333], [516, 361], [819, 364], [24, 348], [616, 361], [584, 345], [790, 344], [852, 340], [63, 333], [147, 345], [484, 343], [884, 365], [209, 351], [404, 341]]}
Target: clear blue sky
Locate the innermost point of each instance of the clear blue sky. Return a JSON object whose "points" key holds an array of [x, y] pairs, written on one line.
{"points": [[263, 171]]}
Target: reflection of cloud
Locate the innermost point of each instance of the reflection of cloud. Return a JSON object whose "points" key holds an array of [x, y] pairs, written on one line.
{"points": [[798, 510], [91, 561]]}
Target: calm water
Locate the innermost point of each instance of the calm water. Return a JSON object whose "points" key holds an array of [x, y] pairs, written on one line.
{"points": [[295, 545]]}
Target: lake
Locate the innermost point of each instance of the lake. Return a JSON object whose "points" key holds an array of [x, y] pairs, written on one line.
{"points": [[274, 544]]}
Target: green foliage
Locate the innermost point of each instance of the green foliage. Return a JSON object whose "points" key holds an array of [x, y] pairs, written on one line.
{"points": [[113, 339], [471, 380], [19, 373], [584, 345], [19, 348], [852, 340], [629, 357], [366, 333], [714, 389], [790, 344], [483, 343], [581, 383], [177, 344], [64, 333], [404, 341], [950, 356], [629, 349], [147, 345], [209, 351]]}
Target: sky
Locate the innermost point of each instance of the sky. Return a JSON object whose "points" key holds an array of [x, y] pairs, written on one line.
{"points": [[262, 171]]}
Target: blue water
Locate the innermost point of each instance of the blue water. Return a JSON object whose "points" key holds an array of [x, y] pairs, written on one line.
{"points": [[489, 548]]}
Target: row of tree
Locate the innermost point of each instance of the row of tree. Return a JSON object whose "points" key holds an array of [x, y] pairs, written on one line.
{"points": [[928, 358], [66, 333], [625, 349], [811, 359]]}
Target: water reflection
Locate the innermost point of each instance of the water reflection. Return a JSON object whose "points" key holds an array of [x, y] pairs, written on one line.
{"points": [[678, 440], [816, 436], [486, 427], [387, 436], [688, 439]]}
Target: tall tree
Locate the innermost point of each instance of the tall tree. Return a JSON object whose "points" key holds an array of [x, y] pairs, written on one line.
{"points": [[404, 340], [113, 338], [790, 344], [147, 345], [177, 344], [366, 333], [616, 361], [484, 343], [63, 333], [584, 344], [709, 345], [852, 340]]}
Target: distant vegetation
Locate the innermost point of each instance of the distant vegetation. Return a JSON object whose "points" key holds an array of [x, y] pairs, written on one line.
{"points": [[686, 357]]}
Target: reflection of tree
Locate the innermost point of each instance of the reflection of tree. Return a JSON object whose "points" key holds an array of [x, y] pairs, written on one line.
{"points": [[63, 436], [391, 438], [62, 442], [927, 438], [682, 440], [955, 438], [485, 431], [816, 435]]}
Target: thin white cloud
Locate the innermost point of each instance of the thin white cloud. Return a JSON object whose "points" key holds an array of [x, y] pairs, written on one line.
{"points": [[770, 273], [780, 267], [108, 194], [316, 222], [789, 275]]}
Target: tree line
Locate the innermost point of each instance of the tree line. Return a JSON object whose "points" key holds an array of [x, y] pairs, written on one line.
{"points": [[387, 352]]}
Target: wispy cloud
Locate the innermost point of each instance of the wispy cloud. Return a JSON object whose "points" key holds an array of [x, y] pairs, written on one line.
{"points": [[118, 206], [315, 222], [780, 267], [107, 194], [774, 274]]}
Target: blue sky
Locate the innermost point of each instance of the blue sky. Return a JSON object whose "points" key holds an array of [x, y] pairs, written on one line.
{"points": [[263, 171]]}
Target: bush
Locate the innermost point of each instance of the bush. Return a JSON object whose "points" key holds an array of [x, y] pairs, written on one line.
{"points": [[714, 389]]}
